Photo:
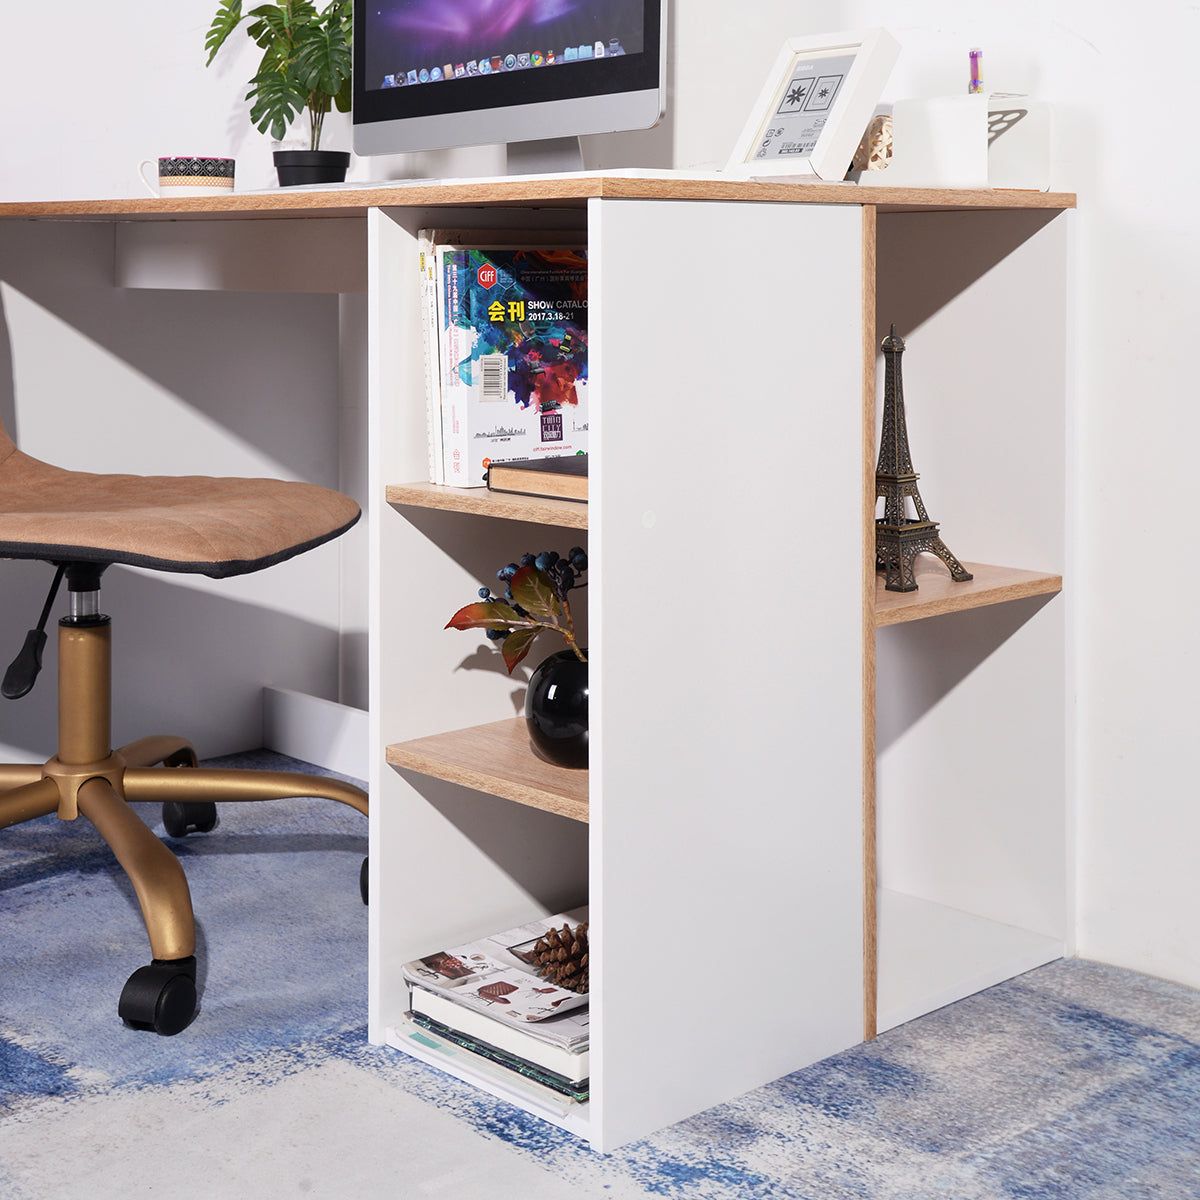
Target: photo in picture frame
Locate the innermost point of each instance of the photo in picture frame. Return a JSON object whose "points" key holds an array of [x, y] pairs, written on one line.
{"points": [[815, 106]]}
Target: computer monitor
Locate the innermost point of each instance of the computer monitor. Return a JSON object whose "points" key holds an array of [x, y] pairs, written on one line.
{"points": [[533, 74]]}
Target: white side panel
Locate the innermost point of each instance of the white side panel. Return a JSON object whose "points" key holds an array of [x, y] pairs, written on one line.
{"points": [[973, 737], [333, 736], [726, 542]]}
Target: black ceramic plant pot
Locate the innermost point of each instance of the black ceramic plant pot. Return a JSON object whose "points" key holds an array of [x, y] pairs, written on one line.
{"points": [[311, 166], [556, 709]]}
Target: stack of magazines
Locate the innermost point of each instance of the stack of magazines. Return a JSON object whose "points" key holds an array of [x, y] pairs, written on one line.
{"points": [[486, 1000]]}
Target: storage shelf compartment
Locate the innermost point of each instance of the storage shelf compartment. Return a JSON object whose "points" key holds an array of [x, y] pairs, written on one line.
{"points": [[496, 758], [937, 593], [931, 955], [569, 514]]}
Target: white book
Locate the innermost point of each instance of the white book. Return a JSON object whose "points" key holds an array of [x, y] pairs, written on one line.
{"points": [[437, 1051], [427, 266], [571, 1064]]}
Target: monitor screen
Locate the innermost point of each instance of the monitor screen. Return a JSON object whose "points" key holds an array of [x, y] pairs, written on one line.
{"points": [[432, 74]]}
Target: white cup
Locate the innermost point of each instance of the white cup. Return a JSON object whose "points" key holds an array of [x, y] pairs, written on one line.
{"points": [[188, 176]]}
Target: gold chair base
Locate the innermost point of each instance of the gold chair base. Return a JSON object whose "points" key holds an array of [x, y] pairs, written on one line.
{"points": [[87, 777]]}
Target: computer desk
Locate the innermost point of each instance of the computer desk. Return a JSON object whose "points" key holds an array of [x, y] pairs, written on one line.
{"points": [[725, 833]]}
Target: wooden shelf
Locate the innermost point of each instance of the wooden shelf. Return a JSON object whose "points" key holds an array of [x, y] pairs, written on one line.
{"points": [[480, 502], [937, 593], [497, 759]]}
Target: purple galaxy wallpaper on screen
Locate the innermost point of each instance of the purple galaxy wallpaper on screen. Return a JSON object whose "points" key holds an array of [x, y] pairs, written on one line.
{"points": [[408, 38]]}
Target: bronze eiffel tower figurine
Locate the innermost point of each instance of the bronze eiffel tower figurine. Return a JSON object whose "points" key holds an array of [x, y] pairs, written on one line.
{"points": [[899, 539]]}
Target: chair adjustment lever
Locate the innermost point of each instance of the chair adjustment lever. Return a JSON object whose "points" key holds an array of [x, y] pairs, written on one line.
{"points": [[23, 671]]}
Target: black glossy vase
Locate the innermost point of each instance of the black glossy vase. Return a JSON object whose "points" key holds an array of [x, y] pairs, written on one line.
{"points": [[310, 166], [556, 709]]}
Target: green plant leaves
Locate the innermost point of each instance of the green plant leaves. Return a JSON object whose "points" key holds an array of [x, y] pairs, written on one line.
{"points": [[322, 62], [306, 62], [271, 29], [228, 16], [275, 103]]}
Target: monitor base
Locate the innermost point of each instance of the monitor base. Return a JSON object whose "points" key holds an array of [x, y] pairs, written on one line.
{"points": [[553, 156]]}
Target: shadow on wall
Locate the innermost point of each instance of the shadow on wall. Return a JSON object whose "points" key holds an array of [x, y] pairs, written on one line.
{"points": [[921, 662], [924, 264], [177, 668], [545, 855], [203, 382], [98, 378]]}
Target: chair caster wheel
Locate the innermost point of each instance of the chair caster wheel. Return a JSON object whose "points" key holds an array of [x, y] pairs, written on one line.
{"points": [[362, 879], [181, 815], [161, 996]]}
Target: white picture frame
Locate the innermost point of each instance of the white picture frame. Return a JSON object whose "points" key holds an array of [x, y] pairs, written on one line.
{"points": [[815, 106]]}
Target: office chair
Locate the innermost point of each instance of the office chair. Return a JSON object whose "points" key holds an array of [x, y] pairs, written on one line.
{"points": [[83, 523]]}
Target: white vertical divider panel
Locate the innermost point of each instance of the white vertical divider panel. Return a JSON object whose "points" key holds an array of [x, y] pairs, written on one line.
{"points": [[726, 566], [395, 430]]}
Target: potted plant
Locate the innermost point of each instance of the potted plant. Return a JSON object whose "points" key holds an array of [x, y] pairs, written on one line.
{"points": [[536, 599], [306, 66]]}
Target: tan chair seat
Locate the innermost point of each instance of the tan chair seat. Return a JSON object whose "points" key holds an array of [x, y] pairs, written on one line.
{"points": [[195, 524]]}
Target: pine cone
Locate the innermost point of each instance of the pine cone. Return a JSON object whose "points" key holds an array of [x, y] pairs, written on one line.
{"points": [[562, 957]]}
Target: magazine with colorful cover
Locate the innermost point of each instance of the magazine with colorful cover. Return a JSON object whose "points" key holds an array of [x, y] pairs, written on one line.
{"points": [[428, 241], [496, 976], [512, 344]]}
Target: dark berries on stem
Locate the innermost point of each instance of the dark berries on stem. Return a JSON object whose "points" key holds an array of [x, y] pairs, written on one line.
{"points": [[536, 597]]}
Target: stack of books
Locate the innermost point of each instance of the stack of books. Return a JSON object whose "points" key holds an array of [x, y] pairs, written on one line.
{"points": [[485, 1004], [505, 337]]}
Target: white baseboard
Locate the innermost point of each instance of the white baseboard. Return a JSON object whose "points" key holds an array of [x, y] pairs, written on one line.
{"points": [[329, 735]]}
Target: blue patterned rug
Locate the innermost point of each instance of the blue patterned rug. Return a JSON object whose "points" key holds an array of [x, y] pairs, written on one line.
{"points": [[1073, 1081]]}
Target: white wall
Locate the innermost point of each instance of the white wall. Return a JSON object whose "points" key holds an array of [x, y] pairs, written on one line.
{"points": [[1122, 107]]}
